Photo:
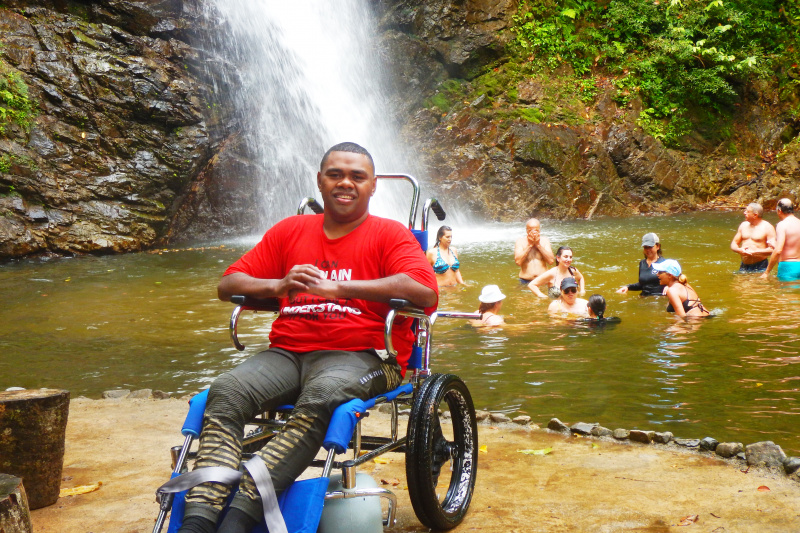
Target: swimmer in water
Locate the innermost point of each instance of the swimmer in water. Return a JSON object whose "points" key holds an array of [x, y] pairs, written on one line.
{"points": [[444, 259], [491, 301]]}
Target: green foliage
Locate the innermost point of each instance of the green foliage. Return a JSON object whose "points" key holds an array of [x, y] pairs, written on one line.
{"points": [[15, 104], [5, 164], [676, 55]]}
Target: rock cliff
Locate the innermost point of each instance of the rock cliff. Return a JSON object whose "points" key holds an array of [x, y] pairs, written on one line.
{"points": [[121, 119]]}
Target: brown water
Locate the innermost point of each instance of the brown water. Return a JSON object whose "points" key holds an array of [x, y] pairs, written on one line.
{"points": [[153, 321]]}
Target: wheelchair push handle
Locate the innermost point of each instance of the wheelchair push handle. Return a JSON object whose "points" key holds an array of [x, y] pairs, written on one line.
{"points": [[311, 203], [432, 204]]}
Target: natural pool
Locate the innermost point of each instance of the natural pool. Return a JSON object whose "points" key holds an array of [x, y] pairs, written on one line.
{"points": [[153, 321]]}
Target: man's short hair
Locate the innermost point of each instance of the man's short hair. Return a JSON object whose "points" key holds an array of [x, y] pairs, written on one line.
{"points": [[351, 147], [756, 209], [785, 206]]}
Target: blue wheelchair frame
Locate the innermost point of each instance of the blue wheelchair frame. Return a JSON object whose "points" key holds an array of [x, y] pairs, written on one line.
{"points": [[426, 447]]}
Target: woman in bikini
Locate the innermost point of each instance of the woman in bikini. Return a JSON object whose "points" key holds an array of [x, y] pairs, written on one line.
{"points": [[683, 299], [444, 259], [555, 275], [491, 300]]}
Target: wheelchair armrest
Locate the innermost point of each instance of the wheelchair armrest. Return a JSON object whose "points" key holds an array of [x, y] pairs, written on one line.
{"points": [[246, 302], [256, 304], [399, 303]]}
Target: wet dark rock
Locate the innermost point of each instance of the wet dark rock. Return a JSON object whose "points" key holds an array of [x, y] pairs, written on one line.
{"points": [[600, 431], [709, 444], [729, 449], [688, 443], [765, 453], [121, 129], [557, 425], [645, 437], [791, 464], [582, 428], [621, 434], [662, 437], [464, 40], [117, 394]]}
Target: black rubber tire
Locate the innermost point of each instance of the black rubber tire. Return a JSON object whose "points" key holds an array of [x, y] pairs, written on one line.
{"points": [[428, 451]]}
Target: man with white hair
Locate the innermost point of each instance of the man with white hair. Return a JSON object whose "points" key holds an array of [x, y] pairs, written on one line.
{"points": [[787, 243], [754, 240]]}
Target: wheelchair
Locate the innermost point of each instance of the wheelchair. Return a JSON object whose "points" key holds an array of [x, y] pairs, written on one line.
{"points": [[440, 443]]}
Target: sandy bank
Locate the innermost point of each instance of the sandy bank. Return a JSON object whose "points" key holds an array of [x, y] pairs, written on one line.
{"points": [[582, 485]]}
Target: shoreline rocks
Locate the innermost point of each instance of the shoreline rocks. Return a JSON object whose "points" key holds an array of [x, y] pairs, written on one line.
{"points": [[764, 454]]}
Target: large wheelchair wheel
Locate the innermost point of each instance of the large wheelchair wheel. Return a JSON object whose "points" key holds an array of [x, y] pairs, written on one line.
{"points": [[440, 492]]}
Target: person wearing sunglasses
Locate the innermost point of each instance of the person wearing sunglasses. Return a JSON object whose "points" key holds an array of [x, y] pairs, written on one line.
{"points": [[568, 304]]}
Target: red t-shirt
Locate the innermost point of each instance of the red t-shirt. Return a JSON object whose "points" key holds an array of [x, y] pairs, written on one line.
{"points": [[376, 249]]}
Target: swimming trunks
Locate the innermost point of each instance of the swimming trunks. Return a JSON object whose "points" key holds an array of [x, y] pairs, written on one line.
{"points": [[440, 266], [524, 281], [761, 266], [789, 270]]}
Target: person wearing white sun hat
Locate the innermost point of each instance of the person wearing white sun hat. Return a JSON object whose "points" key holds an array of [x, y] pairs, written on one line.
{"points": [[491, 300]]}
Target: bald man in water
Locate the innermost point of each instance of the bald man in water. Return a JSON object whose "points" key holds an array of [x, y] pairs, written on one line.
{"points": [[532, 253], [787, 243], [754, 240]]}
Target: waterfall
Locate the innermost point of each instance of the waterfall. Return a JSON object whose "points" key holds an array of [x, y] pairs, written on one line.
{"points": [[310, 76]]}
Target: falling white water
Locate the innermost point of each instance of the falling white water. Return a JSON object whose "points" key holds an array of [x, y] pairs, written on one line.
{"points": [[310, 76]]}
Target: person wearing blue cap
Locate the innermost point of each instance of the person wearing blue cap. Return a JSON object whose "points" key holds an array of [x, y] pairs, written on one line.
{"points": [[683, 299]]}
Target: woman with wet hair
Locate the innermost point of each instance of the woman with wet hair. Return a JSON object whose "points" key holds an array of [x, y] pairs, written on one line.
{"points": [[596, 306], [444, 259], [555, 275]]}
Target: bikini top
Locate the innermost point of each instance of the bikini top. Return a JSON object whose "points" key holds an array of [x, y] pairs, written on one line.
{"points": [[687, 304], [440, 266]]}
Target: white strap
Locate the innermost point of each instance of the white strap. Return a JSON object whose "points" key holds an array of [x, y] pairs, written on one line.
{"points": [[269, 500], [211, 474]]}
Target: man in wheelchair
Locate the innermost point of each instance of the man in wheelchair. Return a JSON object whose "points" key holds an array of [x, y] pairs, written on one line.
{"points": [[334, 275]]}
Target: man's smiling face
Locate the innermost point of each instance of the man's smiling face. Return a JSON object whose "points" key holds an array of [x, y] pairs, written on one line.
{"points": [[347, 182]]}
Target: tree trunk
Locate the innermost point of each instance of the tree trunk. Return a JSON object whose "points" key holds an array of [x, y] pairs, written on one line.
{"points": [[14, 513], [33, 425]]}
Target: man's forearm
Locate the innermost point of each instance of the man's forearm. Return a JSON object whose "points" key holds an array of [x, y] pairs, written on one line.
{"points": [[773, 259], [240, 283]]}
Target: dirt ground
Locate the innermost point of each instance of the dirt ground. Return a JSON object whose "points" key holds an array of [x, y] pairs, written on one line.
{"points": [[582, 485]]}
